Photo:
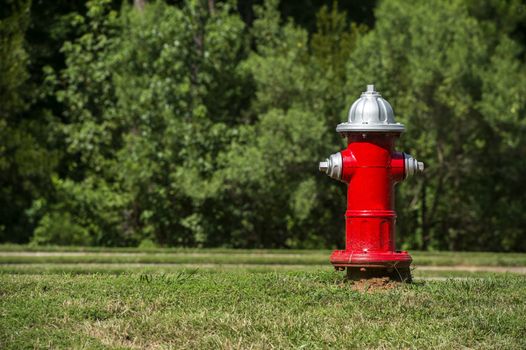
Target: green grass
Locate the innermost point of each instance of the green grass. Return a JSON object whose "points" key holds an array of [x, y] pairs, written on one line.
{"points": [[236, 309], [209, 299], [90, 255], [10, 247], [115, 269]]}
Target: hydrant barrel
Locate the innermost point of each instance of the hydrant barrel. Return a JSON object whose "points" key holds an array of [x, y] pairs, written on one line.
{"points": [[371, 168]]}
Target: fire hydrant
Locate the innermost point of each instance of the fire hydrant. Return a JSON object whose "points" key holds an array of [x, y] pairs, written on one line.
{"points": [[371, 167]]}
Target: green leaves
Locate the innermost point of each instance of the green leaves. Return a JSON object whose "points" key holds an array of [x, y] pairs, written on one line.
{"points": [[447, 73], [191, 124], [147, 96]]}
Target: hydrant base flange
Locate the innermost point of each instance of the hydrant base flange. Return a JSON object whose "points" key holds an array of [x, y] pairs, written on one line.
{"points": [[387, 260]]}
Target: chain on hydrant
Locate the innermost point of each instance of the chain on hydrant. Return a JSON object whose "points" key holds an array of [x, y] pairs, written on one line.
{"points": [[371, 168]]}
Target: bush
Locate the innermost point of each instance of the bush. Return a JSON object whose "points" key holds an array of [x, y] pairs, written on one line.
{"points": [[60, 229]]}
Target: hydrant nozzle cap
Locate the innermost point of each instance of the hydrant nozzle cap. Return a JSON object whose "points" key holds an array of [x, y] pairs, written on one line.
{"points": [[370, 113], [412, 166], [333, 166]]}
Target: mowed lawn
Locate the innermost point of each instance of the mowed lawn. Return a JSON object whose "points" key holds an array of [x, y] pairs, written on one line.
{"points": [[208, 299]]}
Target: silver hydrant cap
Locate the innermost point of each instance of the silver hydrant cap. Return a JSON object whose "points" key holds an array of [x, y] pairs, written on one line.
{"points": [[370, 113]]}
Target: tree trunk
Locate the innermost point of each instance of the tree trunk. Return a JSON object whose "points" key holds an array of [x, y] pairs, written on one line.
{"points": [[139, 4], [425, 226]]}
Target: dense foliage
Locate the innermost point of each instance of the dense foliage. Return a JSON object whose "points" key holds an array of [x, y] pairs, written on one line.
{"points": [[201, 123]]}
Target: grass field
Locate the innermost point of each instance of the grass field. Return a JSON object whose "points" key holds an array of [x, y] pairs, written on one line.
{"points": [[181, 298]]}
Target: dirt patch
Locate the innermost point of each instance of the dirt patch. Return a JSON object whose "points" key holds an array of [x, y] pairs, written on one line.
{"points": [[374, 284]]}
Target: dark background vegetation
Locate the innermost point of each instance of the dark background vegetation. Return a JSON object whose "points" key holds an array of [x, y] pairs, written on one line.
{"points": [[200, 123]]}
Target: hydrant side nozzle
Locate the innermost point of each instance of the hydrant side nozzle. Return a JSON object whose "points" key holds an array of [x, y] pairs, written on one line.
{"points": [[412, 166], [333, 166]]}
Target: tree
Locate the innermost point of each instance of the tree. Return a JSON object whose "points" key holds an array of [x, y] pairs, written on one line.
{"points": [[25, 161], [186, 123], [456, 81], [149, 95], [279, 199]]}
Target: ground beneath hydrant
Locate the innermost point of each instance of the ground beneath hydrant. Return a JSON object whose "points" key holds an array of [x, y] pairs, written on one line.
{"points": [[368, 273], [374, 284]]}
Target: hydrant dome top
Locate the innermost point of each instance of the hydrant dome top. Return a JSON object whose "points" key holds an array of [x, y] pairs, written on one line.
{"points": [[370, 113]]}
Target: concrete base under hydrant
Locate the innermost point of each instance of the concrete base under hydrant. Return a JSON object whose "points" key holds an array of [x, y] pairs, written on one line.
{"points": [[394, 274]]}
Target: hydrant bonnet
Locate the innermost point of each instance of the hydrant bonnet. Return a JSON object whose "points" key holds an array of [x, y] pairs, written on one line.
{"points": [[370, 113]]}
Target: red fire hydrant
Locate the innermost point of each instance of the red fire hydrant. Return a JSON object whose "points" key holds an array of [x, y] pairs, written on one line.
{"points": [[371, 167]]}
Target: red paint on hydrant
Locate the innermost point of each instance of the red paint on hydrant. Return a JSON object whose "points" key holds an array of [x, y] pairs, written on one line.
{"points": [[371, 168]]}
